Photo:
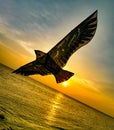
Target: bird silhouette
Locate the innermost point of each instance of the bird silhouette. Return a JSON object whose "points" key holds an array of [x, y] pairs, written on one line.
{"points": [[53, 61]]}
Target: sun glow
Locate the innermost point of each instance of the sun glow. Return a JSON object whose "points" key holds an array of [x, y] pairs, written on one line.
{"points": [[65, 83]]}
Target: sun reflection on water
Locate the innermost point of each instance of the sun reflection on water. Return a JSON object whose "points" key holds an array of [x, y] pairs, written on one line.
{"points": [[54, 107]]}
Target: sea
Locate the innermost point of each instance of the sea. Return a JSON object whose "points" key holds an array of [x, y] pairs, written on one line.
{"points": [[26, 104]]}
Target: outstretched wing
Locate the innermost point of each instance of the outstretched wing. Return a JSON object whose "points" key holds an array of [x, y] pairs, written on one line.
{"points": [[32, 68], [77, 38]]}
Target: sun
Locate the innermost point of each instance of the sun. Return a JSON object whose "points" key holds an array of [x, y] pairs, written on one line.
{"points": [[65, 83]]}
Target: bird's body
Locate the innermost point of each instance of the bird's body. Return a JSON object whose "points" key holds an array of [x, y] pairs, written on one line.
{"points": [[53, 61]]}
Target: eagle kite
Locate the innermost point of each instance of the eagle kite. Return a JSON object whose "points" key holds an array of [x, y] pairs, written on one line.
{"points": [[53, 61]]}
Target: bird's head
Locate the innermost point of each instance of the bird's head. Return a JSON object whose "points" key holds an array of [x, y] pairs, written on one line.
{"points": [[39, 53]]}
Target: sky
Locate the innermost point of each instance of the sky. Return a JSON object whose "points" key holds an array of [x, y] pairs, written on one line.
{"points": [[31, 25]]}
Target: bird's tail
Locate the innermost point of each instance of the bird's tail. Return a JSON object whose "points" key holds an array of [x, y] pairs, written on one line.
{"points": [[63, 75]]}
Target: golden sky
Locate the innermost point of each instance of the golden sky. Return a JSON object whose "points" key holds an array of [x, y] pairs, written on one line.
{"points": [[24, 29]]}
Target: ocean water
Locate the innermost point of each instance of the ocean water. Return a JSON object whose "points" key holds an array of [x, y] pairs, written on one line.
{"points": [[26, 104]]}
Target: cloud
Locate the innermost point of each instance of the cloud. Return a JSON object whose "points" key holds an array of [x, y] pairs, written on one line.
{"points": [[26, 46], [86, 84], [17, 46]]}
